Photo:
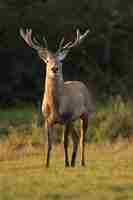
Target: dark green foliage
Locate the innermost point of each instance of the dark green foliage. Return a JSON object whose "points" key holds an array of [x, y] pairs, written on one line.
{"points": [[104, 61]]}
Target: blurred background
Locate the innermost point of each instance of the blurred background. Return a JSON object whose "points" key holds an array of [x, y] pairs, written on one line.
{"points": [[104, 61]]}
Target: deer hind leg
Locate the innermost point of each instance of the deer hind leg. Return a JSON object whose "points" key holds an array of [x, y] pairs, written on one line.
{"points": [[50, 133], [84, 126], [66, 137], [75, 139]]}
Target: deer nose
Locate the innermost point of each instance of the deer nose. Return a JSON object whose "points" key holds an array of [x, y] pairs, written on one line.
{"points": [[54, 69]]}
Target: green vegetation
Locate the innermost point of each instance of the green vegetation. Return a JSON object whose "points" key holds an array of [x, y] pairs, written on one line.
{"points": [[108, 174], [19, 114], [111, 121], [19, 119], [104, 62]]}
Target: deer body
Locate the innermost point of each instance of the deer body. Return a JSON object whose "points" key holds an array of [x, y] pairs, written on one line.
{"points": [[63, 102]]}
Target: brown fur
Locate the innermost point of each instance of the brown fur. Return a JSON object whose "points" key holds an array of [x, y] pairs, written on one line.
{"points": [[63, 102]]}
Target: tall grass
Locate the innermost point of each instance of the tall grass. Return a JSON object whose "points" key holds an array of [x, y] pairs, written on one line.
{"points": [[113, 120], [107, 175], [18, 126]]}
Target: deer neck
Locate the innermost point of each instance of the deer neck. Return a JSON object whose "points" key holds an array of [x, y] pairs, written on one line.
{"points": [[53, 92]]}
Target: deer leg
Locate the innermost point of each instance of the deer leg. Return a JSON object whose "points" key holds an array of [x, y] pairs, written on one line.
{"points": [[66, 134], [75, 138], [50, 131], [84, 126]]}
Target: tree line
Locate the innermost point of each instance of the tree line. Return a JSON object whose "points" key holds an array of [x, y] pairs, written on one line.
{"points": [[104, 61]]}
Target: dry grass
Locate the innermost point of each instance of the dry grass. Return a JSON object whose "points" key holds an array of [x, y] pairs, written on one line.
{"points": [[108, 174]]}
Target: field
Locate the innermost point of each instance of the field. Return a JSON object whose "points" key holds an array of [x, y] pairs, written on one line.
{"points": [[108, 174]]}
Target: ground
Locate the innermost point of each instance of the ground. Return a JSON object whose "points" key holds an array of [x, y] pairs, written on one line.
{"points": [[108, 175]]}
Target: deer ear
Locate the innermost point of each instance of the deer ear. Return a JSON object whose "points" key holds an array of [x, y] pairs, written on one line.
{"points": [[61, 55]]}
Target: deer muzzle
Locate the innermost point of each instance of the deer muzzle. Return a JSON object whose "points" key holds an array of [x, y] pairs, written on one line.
{"points": [[54, 70]]}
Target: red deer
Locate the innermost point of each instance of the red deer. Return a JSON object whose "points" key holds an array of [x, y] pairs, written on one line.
{"points": [[63, 102]]}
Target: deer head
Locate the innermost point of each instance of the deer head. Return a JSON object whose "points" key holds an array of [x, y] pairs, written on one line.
{"points": [[53, 60]]}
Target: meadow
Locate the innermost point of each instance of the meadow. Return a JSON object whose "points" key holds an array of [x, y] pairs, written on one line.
{"points": [[108, 173]]}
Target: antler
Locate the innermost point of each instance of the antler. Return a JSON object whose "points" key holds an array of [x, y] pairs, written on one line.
{"points": [[80, 37], [27, 36]]}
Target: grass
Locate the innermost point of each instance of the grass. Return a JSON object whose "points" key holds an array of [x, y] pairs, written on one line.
{"points": [[17, 119], [113, 120], [108, 175], [18, 114]]}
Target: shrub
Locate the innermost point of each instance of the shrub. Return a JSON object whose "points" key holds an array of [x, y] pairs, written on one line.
{"points": [[113, 120]]}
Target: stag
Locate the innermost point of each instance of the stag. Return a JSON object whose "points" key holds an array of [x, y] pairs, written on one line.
{"points": [[63, 101]]}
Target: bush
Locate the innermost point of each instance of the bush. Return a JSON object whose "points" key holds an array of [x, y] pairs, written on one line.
{"points": [[113, 120]]}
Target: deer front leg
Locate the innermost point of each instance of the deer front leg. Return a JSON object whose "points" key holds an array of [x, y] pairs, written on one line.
{"points": [[50, 133]]}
